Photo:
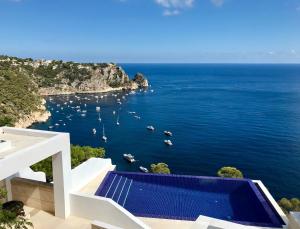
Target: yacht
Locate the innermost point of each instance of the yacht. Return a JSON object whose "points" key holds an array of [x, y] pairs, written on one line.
{"points": [[129, 157], [143, 169], [94, 131], [104, 138], [168, 142], [97, 109], [150, 128], [114, 112], [168, 133]]}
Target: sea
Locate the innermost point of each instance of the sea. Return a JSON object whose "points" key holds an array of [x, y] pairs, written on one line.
{"points": [[241, 115]]}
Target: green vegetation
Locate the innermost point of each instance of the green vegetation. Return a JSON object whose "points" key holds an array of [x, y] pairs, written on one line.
{"points": [[160, 168], [13, 218], [289, 205], [18, 96], [79, 154], [230, 172]]}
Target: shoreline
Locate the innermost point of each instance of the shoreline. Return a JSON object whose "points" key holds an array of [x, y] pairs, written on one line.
{"points": [[88, 92]]}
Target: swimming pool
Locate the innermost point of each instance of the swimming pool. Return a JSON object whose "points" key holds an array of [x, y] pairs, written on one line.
{"points": [[186, 197]]}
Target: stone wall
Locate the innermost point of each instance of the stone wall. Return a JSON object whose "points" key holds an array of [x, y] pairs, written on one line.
{"points": [[35, 194]]}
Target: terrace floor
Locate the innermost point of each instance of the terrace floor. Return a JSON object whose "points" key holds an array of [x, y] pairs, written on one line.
{"points": [[45, 220]]}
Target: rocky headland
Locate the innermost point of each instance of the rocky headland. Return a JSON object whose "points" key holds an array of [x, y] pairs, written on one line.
{"points": [[38, 78]]}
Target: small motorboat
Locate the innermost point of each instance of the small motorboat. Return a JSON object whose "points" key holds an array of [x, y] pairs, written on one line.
{"points": [[97, 109], [50, 127], [56, 124], [129, 157], [114, 112], [94, 131], [143, 169], [168, 142], [168, 133], [151, 128]]}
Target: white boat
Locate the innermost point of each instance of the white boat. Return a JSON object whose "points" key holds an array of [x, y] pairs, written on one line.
{"points": [[119, 102], [129, 157], [50, 127], [94, 131], [168, 133], [168, 142], [143, 169], [99, 118], [83, 114], [104, 138], [118, 121], [114, 112], [137, 117], [56, 124], [150, 128], [97, 109]]}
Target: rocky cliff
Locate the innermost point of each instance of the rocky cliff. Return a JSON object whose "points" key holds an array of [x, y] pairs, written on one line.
{"points": [[51, 77]]}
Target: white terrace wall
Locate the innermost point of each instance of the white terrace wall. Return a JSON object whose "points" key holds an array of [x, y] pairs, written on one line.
{"points": [[104, 210]]}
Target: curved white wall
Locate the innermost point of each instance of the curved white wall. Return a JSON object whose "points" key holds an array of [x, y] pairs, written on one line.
{"points": [[105, 210]]}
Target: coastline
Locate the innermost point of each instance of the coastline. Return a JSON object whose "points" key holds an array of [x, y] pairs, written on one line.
{"points": [[109, 89], [41, 115]]}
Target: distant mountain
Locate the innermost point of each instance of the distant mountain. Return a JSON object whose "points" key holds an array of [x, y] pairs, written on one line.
{"points": [[24, 81]]}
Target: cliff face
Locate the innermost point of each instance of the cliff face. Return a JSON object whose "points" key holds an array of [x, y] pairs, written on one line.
{"points": [[58, 77], [40, 77]]}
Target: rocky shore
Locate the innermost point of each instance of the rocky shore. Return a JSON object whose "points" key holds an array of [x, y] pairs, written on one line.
{"points": [[42, 115]]}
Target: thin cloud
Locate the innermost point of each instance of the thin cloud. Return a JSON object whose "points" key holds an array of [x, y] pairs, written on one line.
{"points": [[174, 7], [217, 3]]}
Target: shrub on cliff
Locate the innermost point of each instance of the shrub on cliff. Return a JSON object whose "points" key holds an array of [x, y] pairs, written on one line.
{"points": [[79, 154], [160, 168], [289, 205], [230, 172]]}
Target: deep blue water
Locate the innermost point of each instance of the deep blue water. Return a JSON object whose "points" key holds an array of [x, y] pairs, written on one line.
{"points": [[247, 116]]}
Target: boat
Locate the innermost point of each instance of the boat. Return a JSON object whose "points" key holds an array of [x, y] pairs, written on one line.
{"points": [[143, 169], [137, 117], [168, 142], [99, 118], [56, 124], [104, 138], [94, 131], [50, 127], [168, 133], [114, 112], [150, 128], [97, 109], [129, 157], [118, 121]]}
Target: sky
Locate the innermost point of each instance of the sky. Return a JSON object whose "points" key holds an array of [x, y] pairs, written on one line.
{"points": [[152, 31]]}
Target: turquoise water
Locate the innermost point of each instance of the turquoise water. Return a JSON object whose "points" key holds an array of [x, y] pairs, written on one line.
{"points": [[247, 116]]}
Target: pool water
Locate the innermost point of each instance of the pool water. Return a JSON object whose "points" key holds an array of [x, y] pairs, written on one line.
{"points": [[186, 197]]}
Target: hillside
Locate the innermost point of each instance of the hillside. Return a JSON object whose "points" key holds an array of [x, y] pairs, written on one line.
{"points": [[23, 82]]}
